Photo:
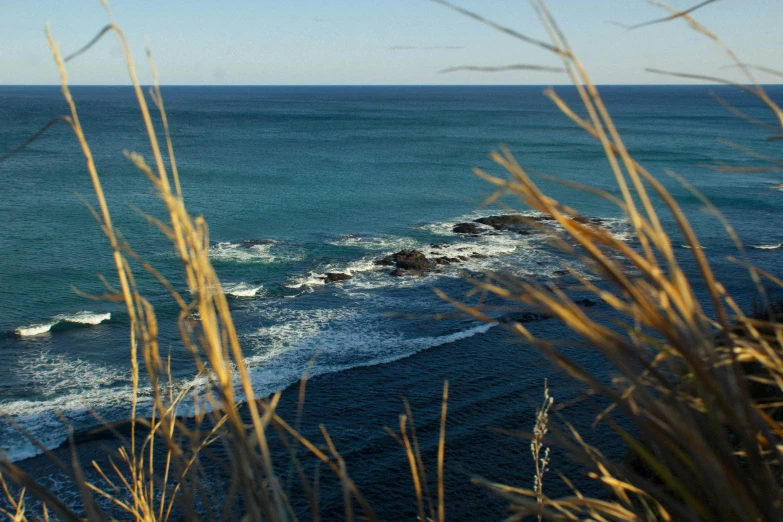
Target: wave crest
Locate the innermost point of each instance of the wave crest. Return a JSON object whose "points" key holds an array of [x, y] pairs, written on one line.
{"points": [[84, 318]]}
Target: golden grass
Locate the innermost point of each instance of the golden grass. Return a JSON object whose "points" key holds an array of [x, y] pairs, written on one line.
{"points": [[138, 487], [710, 444], [687, 379]]}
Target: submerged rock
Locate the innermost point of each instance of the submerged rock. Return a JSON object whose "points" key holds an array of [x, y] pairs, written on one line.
{"points": [[524, 317], [333, 277]]}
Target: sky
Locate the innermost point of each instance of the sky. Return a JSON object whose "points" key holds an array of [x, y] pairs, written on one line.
{"points": [[380, 42]]}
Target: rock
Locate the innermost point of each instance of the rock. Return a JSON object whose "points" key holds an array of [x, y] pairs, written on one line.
{"points": [[512, 222], [476, 255], [524, 317], [333, 277], [589, 220], [560, 273], [503, 221], [411, 260], [385, 261], [466, 228], [446, 260], [586, 302]]}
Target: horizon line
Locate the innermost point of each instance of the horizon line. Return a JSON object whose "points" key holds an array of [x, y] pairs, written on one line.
{"points": [[701, 84]]}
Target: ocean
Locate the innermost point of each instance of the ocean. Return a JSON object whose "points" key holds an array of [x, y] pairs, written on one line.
{"points": [[296, 182]]}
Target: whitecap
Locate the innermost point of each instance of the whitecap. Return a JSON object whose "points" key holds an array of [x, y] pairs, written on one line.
{"points": [[84, 318], [766, 246], [267, 253], [34, 329], [376, 243], [242, 289]]}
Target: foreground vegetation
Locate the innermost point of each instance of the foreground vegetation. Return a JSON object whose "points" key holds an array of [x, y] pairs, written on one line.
{"points": [[701, 386]]}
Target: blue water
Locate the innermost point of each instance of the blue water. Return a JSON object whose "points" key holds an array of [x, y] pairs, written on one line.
{"points": [[330, 178]]}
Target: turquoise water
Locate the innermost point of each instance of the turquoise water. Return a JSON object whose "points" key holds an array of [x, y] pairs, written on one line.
{"points": [[299, 181]]}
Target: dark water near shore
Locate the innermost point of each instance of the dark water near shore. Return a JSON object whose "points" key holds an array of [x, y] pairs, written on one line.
{"points": [[331, 178]]}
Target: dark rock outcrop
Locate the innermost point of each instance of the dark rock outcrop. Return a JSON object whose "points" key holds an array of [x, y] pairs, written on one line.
{"points": [[385, 261], [466, 228], [513, 222], [589, 220], [333, 277], [411, 260], [445, 260], [504, 221]]}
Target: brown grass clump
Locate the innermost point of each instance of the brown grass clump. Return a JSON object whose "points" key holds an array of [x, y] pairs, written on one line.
{"points": [[688, 380]]}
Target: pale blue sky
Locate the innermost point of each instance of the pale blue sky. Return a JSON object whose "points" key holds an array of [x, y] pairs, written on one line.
{"points": [[374, 41]]}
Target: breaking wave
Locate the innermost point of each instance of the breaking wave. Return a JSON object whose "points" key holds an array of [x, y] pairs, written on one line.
{"points": [[83, 318]]}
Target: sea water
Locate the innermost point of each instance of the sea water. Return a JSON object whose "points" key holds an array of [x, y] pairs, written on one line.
{"points": [[296, 182]]}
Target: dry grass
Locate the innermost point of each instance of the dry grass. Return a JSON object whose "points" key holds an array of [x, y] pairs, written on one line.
{"points": [[688, 380], [141, 485]]}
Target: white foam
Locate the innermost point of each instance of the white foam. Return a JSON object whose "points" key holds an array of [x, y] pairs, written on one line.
{"points": [[83, 317], [309, 280], [342, 338], [376, 243], [769, 246], [49, 374], [241, 289], [353, 268], [277, 356], [34, 329], [72, 388], [266, 253]]}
